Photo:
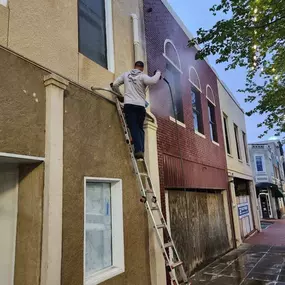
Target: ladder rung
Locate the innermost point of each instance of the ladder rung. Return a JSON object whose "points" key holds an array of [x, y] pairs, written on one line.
{"points": [[176, 264], [169, 244], [162, 226], [155, 209], [149, 191], [143, 174]]}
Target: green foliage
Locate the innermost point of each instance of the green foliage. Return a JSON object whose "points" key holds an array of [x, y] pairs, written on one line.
{"points": [[252, 37]]}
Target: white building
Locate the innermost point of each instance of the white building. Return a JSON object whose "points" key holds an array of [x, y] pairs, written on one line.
{"points": [[241, 183]]}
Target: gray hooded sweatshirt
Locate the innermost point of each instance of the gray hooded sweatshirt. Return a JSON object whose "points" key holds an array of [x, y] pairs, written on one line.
{"points": [[135, 83]]}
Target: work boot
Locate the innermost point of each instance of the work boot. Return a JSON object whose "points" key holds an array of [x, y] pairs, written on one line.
{"points": [[139, 155]]}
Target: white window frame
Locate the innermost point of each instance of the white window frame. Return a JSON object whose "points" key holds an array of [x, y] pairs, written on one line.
{"points": [[4, 2], [109, 36], [209, 87], [118, 255], [168, 41], [263, 163], [192, 82]]}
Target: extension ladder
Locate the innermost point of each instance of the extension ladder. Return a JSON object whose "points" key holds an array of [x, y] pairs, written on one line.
{"points": [[174, 265]]}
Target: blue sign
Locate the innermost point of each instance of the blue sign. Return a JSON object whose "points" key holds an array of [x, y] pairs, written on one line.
{"points": [[243, 210]]}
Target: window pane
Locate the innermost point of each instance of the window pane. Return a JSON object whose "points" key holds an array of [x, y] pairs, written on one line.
{"points": [[173, 76], [197, 110], [245, 146], [237, 141], [212, 122], [259, 164], [227, 135], [98, 254], [92, 30]]}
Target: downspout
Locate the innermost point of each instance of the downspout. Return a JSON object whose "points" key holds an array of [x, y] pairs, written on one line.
{"points": [[136, 38]]}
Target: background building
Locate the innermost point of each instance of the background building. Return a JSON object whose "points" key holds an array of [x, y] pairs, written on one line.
{"points": [[267, 158], [240, 176], [191, 153]]}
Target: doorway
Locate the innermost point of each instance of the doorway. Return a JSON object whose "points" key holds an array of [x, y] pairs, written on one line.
{"points": [[265, 206], [8, 222]]}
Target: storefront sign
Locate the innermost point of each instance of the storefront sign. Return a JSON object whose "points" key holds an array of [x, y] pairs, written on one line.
{"points": [[243, 210]]}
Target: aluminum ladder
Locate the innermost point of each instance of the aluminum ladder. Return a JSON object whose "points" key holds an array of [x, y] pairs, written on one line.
{"points": [[173, 263]]}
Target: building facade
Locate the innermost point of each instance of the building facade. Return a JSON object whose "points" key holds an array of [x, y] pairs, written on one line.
{"points": [[240, 176], [267, 158], [191, 153], [70, 198]]}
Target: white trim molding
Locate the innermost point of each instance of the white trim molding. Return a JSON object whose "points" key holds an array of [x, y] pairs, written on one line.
{"points": [[177, 122], [209, 87], [118, 258], [6, 157], [199, 88], [53, 181], [168, 41], [110, 36], [200, 134]]}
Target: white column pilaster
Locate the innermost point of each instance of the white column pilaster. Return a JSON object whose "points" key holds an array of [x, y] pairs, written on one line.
{"points": [[157, 263], [52, 216], [255, 208]]}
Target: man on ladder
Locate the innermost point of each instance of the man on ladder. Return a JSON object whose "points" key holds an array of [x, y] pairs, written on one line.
{"points": [[136, 82]]}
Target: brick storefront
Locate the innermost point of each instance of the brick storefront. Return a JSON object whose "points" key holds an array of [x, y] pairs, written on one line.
{"points": [[204, 162]]}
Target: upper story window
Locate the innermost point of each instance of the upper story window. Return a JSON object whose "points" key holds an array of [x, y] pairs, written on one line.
{"points": [[245, 146], [212, 122], [211, 112], [227, 138], [237, 141], [104, 245], [172, 74], [196, 92], [259, 163], [95, 31], [197, 110]]}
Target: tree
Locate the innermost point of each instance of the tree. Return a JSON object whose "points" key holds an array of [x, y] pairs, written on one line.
{"points": [[252, 37]]}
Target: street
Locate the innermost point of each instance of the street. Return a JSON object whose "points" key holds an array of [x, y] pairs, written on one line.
{"points": [[253, 263]]}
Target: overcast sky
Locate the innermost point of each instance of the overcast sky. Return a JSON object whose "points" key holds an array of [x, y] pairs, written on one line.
{"points": [[195, 14]]}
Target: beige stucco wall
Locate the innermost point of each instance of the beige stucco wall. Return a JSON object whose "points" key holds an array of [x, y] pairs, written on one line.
{"points": [[47, 33], [236, 116]]}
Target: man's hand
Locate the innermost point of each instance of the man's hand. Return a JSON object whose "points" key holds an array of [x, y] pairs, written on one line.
{"points": [[156, 72], [118, 93]]}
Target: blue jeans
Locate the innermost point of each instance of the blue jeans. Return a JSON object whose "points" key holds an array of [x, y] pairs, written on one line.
{"points": [[135, 116]]}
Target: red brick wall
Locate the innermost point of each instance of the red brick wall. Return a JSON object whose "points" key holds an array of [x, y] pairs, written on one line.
{"points": [[204, 163]]}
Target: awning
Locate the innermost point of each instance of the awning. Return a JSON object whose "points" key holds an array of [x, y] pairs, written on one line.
{"points": [[269, 186]]}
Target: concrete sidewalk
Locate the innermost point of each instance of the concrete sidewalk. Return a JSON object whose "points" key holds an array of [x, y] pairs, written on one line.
{"points": [[261, 261], [273, 235], [248, 265]]}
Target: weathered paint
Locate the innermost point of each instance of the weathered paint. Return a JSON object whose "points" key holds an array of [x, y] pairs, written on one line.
{"points": [[22, 117], [29, 225], [199, 219], [94, 146]]}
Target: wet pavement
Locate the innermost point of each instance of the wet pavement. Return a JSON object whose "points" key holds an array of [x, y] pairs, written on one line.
{"points": [[247, 265]]}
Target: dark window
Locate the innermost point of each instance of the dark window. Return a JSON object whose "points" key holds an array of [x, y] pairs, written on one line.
{"points": [[173, 76], [92, 30], [227, 134], [245, 146], [237, 141], [197, 110], [212, 122], [259, 163]]}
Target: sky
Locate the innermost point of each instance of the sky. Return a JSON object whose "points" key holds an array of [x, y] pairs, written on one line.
{"points": [[196, 14]]}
